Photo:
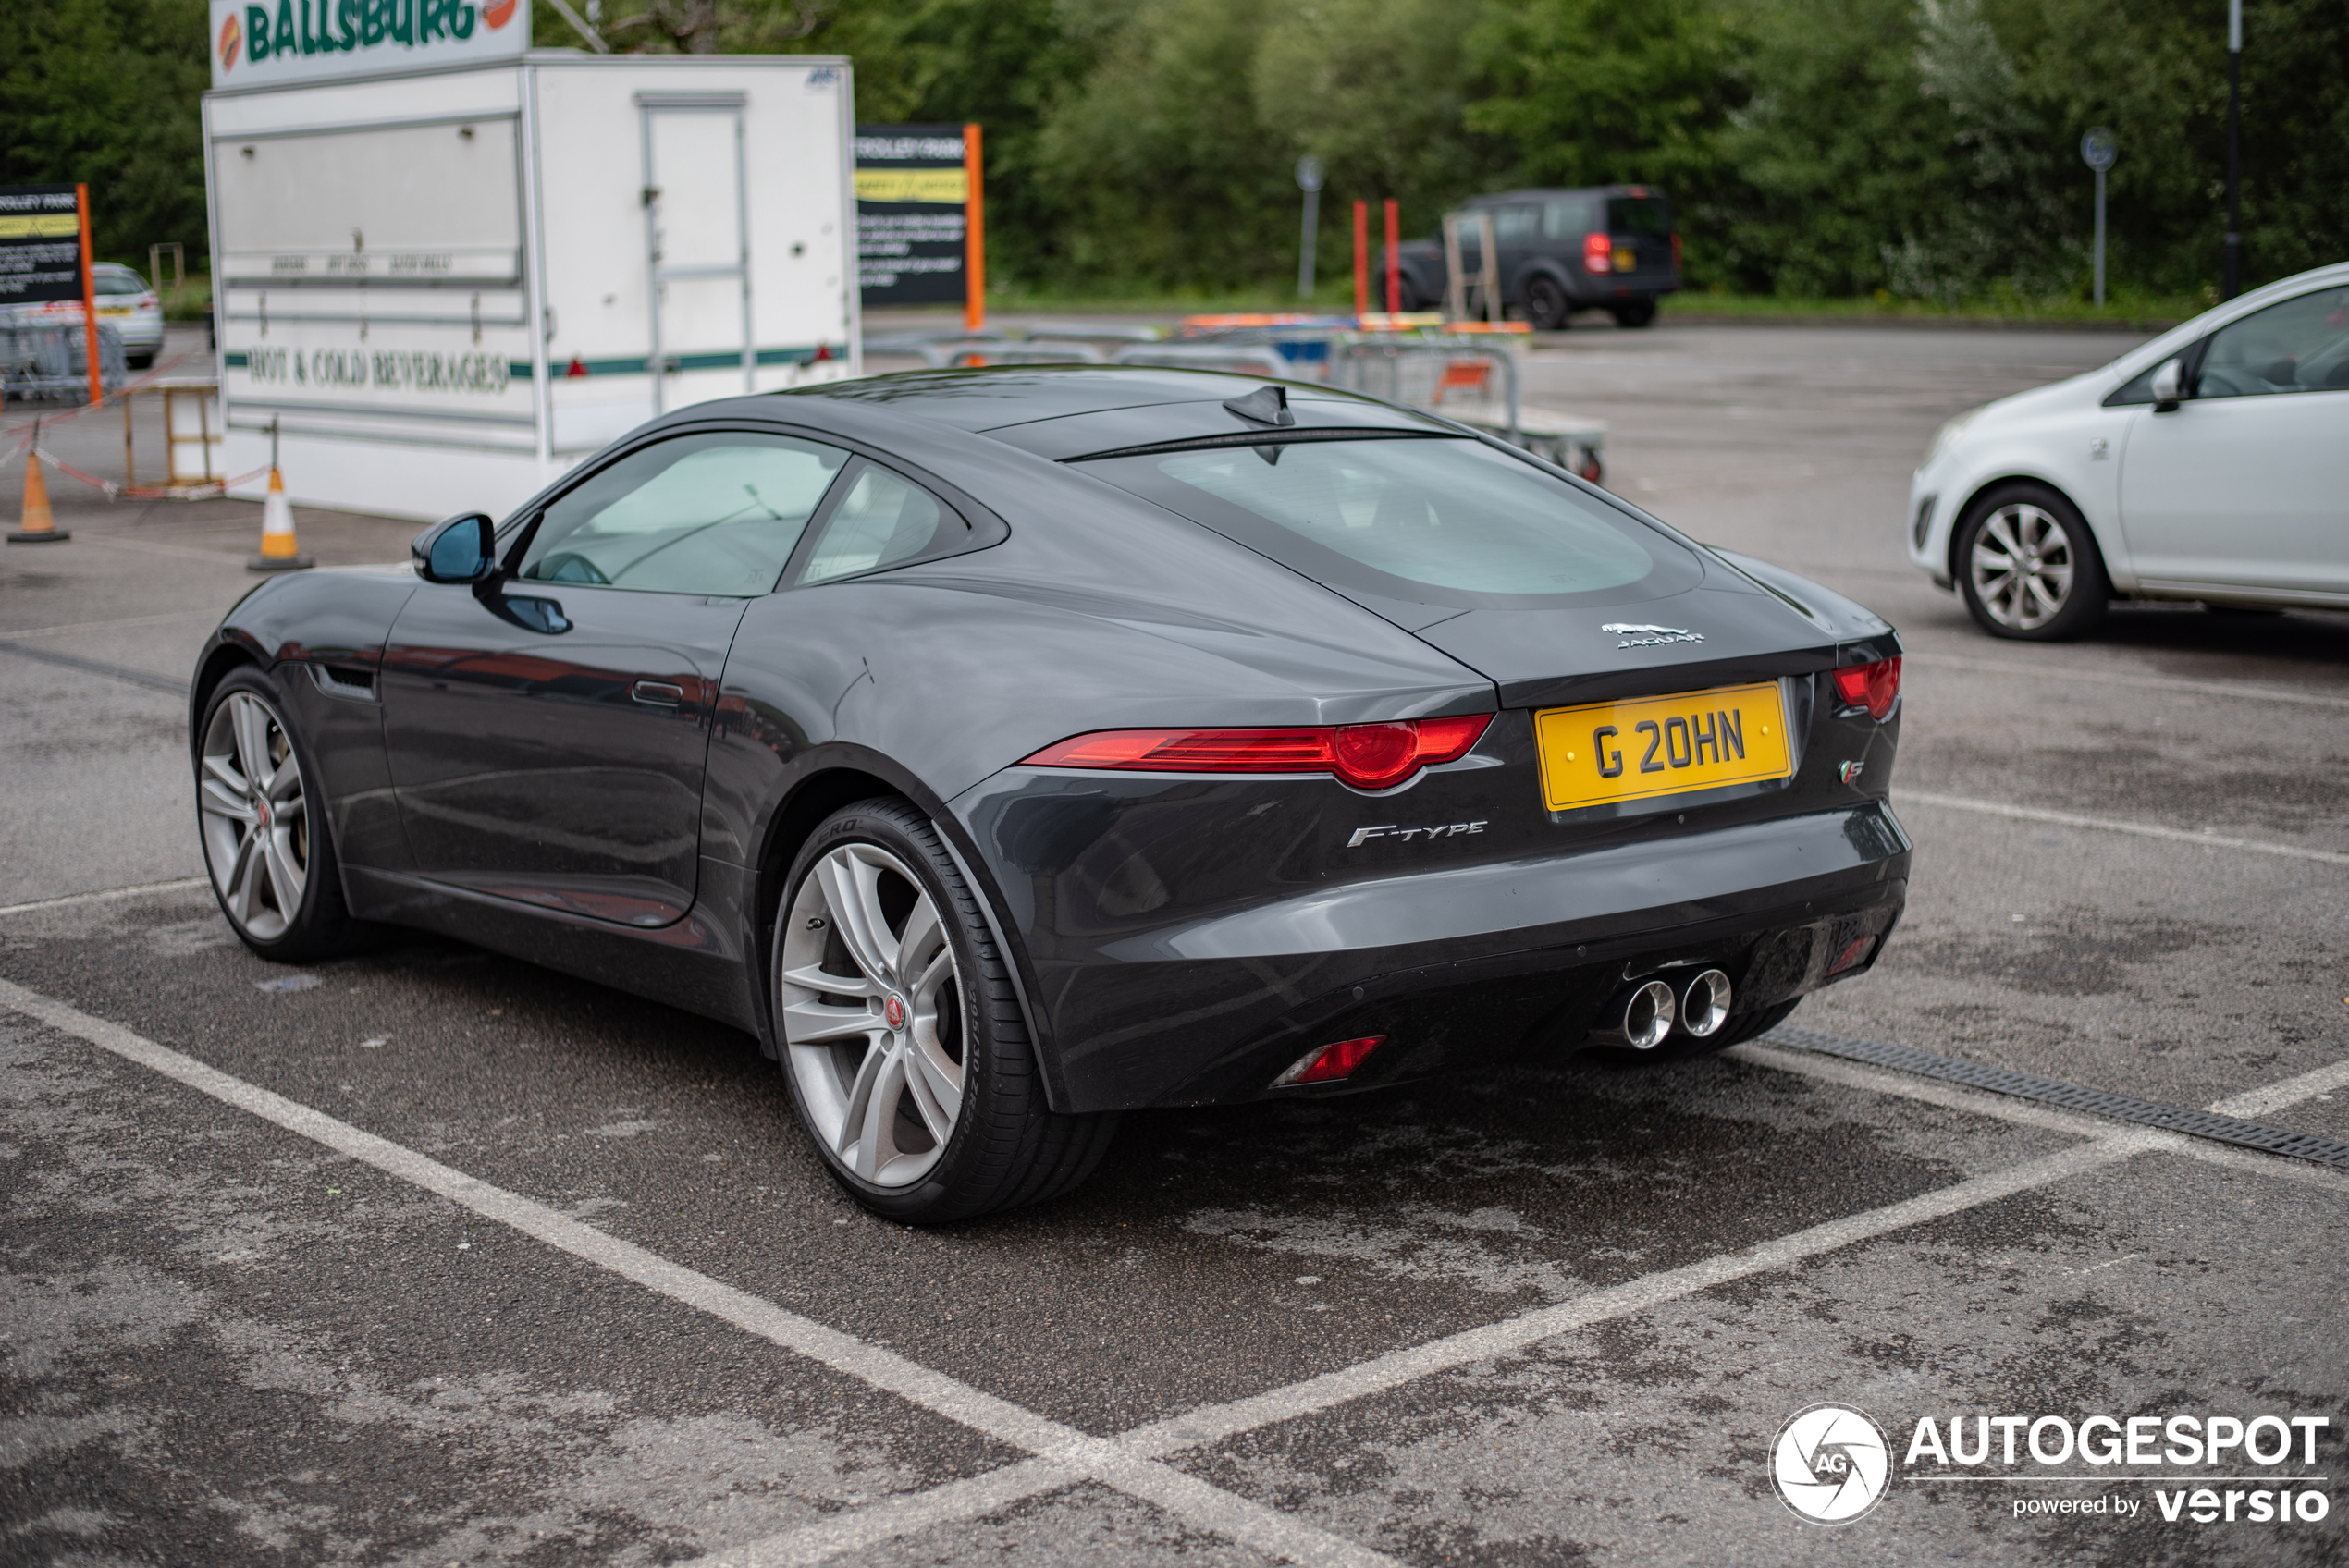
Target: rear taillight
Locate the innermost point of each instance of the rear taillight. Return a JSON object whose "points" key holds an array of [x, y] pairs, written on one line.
{"points": [[1869, 686], [1597, 253], [1369, 756], [1329, 1064], [1676, 252], [1851, 955]]}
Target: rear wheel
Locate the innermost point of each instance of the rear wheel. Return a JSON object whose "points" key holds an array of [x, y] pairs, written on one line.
{"points": [[1546, 306], [2028, 566], [1633, 313], [1406, 297], [266, 841], [908, 1060]]}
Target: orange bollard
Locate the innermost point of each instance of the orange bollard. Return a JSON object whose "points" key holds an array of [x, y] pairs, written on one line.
{"points": [[36, 524], [278, 551]]}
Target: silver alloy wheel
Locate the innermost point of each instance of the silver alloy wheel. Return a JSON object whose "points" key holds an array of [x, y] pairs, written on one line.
{"points": [[872, 1019], [2022, 567], [255, 814]]}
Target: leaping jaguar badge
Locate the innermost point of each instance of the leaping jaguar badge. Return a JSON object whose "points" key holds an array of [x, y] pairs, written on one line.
{"points": [[1650, 636]]}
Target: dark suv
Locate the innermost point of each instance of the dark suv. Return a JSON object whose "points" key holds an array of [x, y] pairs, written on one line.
{"points": [[1610, 248]]}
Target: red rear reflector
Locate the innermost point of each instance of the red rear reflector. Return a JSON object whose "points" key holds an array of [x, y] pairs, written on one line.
{"points": [[1869, 686], [1328, 1064], [1850, 956], [1676, 252], [1597, 253], [1369, 756]]}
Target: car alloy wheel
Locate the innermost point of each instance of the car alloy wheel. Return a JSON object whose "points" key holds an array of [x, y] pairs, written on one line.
{"points": [[872, 1014], [2022, 565], [1545, 304], [254, 807]]}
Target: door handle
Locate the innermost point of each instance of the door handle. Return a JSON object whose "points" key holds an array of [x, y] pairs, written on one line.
{"points": [[659, 694]]}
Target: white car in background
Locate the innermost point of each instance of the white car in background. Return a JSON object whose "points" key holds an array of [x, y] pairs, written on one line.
{"points": [[2211, 464], [125, 301]]}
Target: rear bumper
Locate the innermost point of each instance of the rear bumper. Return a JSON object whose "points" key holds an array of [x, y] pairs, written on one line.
{"points": [[1457, 966], [1599, 289]]}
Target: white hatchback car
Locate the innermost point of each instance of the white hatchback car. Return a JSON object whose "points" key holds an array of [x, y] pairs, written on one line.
{"points": [[125, 300], [2211, 464]]}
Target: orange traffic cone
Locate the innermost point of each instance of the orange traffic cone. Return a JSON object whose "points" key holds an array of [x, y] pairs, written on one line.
{"points": [[278, 551], [36, 525]]}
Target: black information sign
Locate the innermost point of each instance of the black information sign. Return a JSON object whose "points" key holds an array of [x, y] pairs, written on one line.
{"points": [[912, 220], [40, 244]]}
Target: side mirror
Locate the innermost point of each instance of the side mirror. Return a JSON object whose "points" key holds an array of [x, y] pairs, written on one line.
{"points": [[459, 549], [2167, 386]]}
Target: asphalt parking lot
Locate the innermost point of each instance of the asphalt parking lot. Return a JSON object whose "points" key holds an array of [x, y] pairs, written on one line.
{"points": [[427, 1256]]}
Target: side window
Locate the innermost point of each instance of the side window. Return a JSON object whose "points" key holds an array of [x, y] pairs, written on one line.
{"points": [[1565, 217], [882, 521], [2298, 346], [1514, 225], [717, 513]]}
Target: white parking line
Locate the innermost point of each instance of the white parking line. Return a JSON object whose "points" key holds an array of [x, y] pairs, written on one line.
{"points": [[72, 627], [1068, 1451], [1132, 1461], [110, 895], [2115, 678], [2142, 829]]}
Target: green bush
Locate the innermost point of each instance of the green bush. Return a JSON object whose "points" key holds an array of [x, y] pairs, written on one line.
{"points": [[1816, 149]]}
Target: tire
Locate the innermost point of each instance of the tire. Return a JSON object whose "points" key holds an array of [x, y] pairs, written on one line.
{"points": [[1681, 1047], [267, 842], [1546, 306], [1633, 313], [138, 361], [1406, 297], [889, 994], [2028, 566]]}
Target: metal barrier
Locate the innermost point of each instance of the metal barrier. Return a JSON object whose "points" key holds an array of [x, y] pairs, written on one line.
{"points": [[1240, 359], [47, 361], [943, 356], [1475, 385], [1472, 385]]}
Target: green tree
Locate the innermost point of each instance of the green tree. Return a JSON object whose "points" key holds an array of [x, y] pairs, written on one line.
{"points": [[1159, 166], [1378, 90], [109, 92]]}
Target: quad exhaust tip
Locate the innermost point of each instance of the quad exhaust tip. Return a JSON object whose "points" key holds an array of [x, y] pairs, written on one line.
{"points": [[1704, 1005], [1647, 1018]]}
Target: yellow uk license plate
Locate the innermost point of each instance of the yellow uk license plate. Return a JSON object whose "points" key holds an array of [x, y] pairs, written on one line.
{"points": [[1600, 753]]}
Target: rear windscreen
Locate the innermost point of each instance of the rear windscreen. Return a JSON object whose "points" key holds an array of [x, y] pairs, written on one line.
{"points": [[1639, 214], [1428, 520]]}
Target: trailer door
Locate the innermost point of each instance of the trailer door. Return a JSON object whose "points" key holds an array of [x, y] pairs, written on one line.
{"points": [[696, 236]]}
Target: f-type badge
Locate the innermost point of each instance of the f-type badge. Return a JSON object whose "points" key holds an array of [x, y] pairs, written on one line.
{"points": [[1650, 636]]}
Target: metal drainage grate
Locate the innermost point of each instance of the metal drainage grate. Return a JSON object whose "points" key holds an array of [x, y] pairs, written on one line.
{"points": [[2096, 1102]]}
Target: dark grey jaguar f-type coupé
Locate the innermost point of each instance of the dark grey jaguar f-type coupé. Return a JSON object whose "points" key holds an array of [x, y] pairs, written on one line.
{"points": [[1008, 748]]}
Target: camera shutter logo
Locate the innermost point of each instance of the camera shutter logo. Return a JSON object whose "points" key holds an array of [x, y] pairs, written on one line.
{"points": [[1830, 1463]]}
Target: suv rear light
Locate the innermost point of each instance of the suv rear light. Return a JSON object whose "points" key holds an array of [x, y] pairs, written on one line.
{"points": [[1369, 756], [1869, 686], [1330, 1064], [1597, 253], [1676, 252]]}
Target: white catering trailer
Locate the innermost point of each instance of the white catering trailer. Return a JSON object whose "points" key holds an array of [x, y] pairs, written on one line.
{"points": [[442, 283]]}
